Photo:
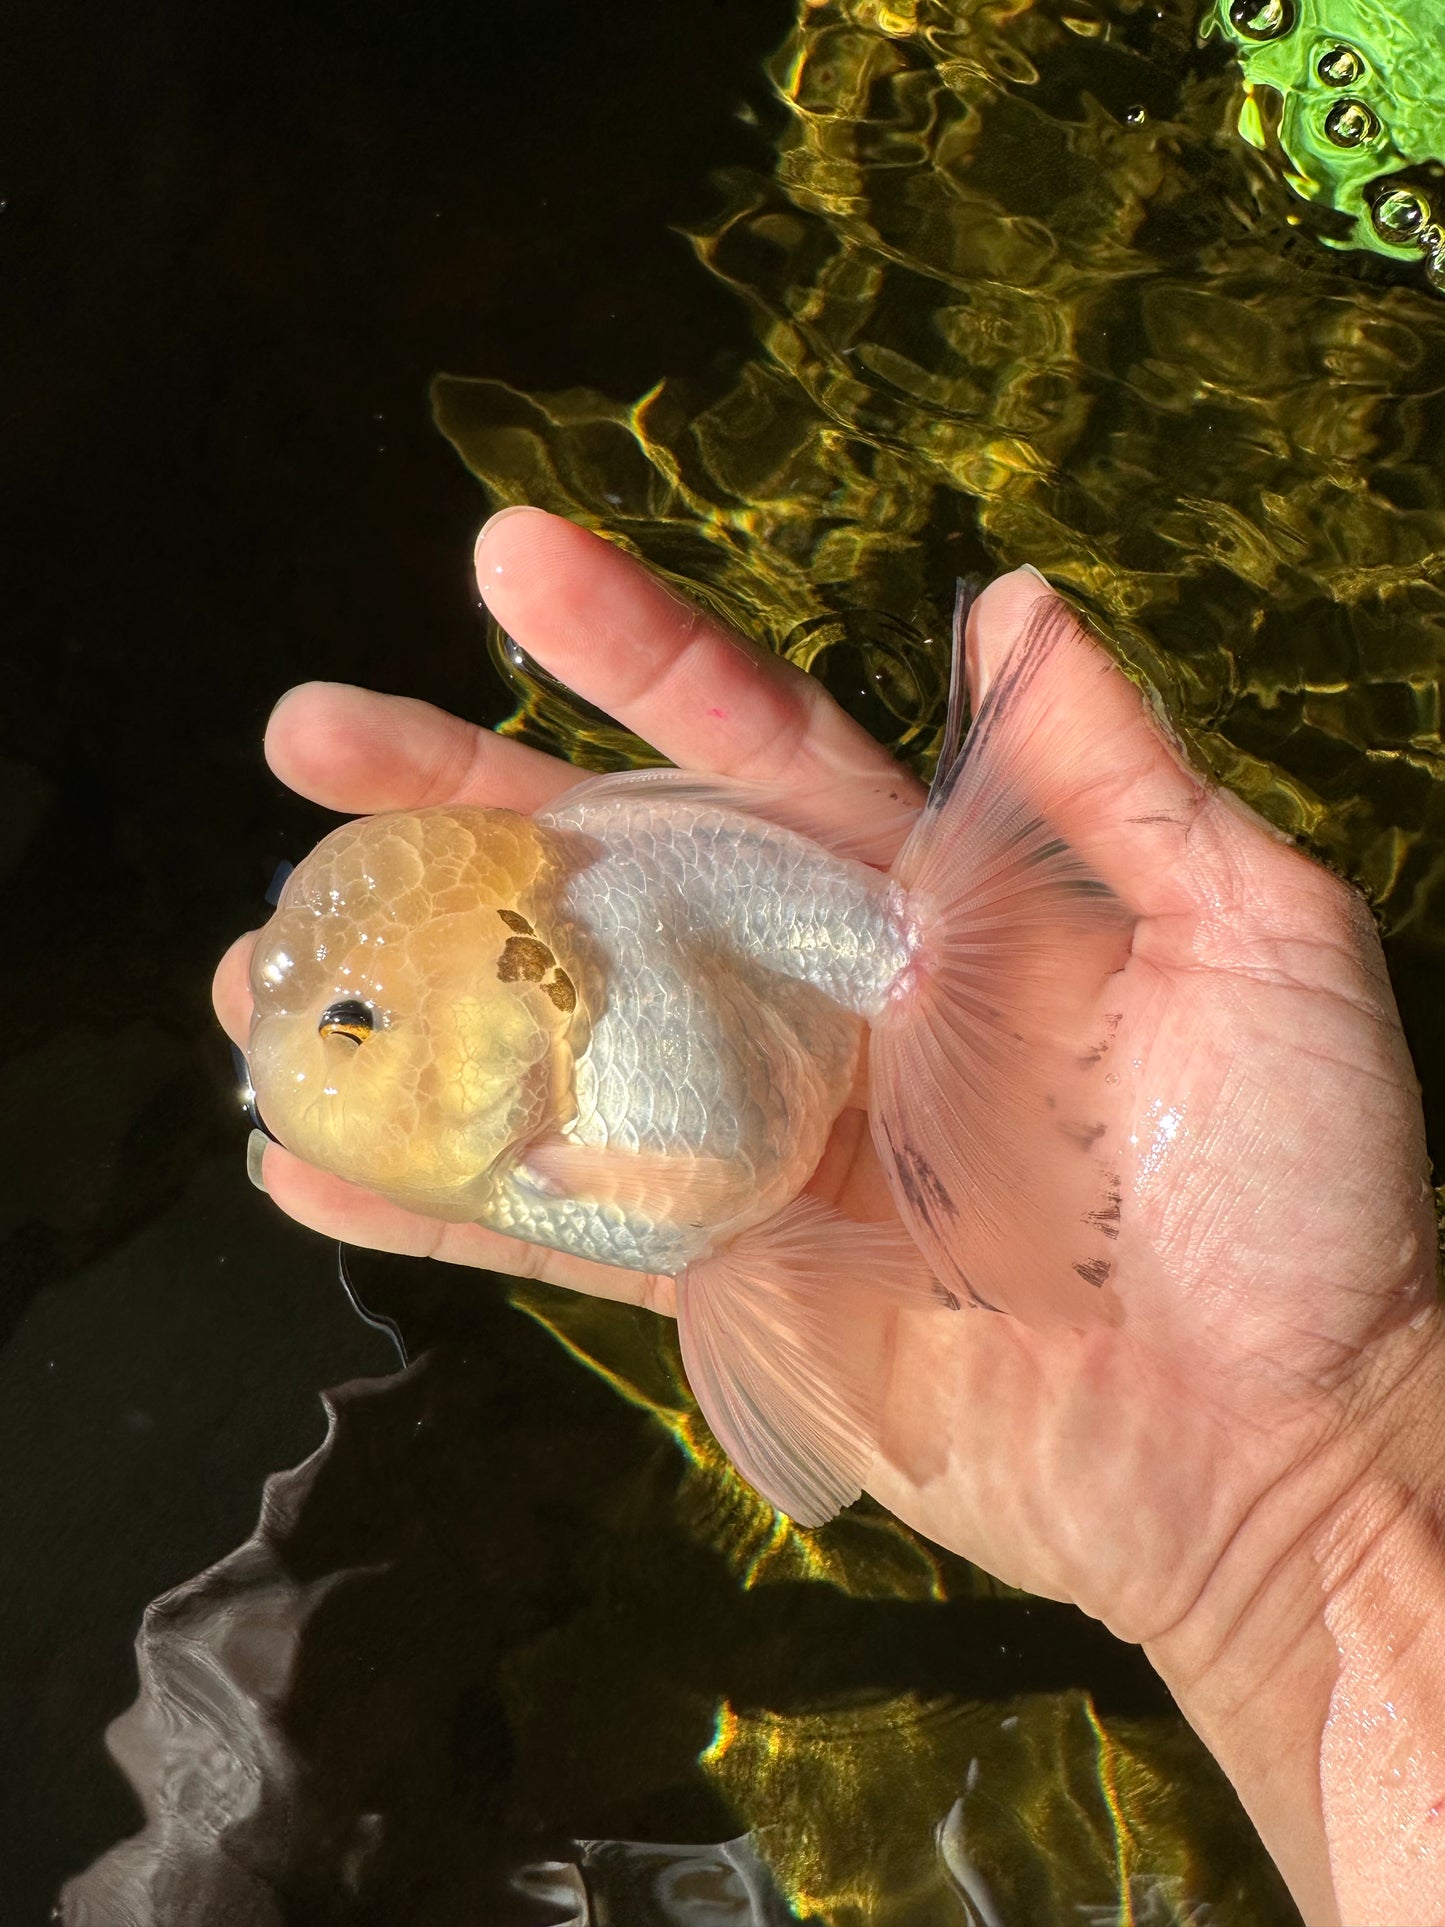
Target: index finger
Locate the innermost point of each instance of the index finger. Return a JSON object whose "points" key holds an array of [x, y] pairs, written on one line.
{"points": [[693, 688]]}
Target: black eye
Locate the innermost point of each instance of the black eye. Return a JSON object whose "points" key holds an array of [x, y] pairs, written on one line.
{"points": [[349, 1019]]}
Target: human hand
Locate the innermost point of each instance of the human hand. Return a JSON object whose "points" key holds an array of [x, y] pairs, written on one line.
{"points": [[1276, 1236], [703, 696]]}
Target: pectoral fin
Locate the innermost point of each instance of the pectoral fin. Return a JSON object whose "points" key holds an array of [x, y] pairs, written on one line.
{"points": [[676, 1189]]}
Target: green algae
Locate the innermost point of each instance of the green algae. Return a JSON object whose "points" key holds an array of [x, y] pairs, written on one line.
{"points": [[1352, 93]]}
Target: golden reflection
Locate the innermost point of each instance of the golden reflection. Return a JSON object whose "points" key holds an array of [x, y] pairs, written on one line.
{"points": [[1021, 1813], [1021, 296], [892, 1810], [865, 1552]]}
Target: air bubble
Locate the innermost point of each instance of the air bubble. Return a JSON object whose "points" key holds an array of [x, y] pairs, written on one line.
{"points": [[1339, 67], [1400, 215], [1262, 19], [1350, 123]]}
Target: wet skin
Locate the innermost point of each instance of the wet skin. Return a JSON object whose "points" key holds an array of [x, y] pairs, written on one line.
{"points": [[1177, 1474]]}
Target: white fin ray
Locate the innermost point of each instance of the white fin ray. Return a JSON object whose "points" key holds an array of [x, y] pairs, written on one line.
{"points": [[679, 1188], [784, 1341]]}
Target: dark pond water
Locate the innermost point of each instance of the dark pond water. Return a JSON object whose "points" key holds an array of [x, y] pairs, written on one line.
{"points": [[236, 244], [476, 1636]]}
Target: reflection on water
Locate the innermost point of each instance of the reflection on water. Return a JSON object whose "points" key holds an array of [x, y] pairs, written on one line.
{"points": [[629, 1883], [865, 1552], [204, 1745], [418, 1692], [1022, 295]]}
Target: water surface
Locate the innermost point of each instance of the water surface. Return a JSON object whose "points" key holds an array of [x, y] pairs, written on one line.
{"points": [[505, 1641]]}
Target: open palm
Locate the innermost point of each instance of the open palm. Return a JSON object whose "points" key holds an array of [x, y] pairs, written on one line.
{"points": [[1275, 1216]]}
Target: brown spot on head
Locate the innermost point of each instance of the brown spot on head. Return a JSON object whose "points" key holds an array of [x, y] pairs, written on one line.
{"points": [[1094, 1271], [562, 991], [524, 960], [514, 920]]}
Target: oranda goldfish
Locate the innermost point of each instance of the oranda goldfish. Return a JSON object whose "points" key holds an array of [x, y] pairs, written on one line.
{"points": [[624, 1027]]}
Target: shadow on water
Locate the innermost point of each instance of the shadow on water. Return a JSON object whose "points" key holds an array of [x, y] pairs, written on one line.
{"points": [[470, 1661]]}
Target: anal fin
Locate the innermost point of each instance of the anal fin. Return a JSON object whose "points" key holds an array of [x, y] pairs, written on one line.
{"points": [[785, 1340]]}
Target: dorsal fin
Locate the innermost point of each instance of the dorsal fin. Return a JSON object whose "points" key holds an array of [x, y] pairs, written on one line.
{"points": [[967, 591]]}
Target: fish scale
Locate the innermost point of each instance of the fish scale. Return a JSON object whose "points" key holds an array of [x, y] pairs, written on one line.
{"points": [[710, 931], [776, 896]]}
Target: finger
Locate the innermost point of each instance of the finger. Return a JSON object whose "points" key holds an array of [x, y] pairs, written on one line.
{"points": [[622, 640], [356, 751], [340, 1210], [231, 990]]}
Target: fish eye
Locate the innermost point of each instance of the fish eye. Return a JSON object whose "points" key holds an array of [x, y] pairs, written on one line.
{"points": [[347, 1019]]}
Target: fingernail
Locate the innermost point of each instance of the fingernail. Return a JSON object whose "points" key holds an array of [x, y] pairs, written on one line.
{"points": [[283, 701], [513, 508], [256, 1158]]}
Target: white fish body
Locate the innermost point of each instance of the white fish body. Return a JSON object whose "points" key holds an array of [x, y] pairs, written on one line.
{"points": [[728, 965], [624, 1028]]}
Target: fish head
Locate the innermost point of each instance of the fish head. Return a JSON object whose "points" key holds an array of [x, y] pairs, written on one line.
{"points": [[411, 1022]]}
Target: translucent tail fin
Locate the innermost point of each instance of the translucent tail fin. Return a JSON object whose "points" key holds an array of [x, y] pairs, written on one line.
{"points": [[991, 1095]]}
